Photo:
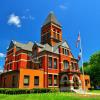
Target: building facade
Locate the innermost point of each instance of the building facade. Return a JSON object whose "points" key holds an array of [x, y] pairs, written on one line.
{"points": [[49, 64]]}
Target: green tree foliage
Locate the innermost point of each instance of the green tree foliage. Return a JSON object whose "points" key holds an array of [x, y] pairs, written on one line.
{"points": [[92, 68], [95, 69]]}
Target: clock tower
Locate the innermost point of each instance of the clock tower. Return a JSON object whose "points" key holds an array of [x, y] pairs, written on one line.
{"points": [[51, 31]]}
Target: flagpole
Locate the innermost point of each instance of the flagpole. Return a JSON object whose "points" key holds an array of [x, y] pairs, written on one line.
{"points": [[82, 62]]}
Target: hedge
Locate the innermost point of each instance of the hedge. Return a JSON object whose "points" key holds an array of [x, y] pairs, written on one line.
{"points": [[27, 91]]}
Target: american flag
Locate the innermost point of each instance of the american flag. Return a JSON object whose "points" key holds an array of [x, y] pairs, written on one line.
{"points": [[78, 40]]}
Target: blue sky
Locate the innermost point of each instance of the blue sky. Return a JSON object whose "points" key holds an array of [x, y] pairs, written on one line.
{"points": [[29, 15]]}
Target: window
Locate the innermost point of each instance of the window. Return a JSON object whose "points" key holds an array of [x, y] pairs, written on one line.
{"points": [[54, 30], [50, 80], [36, 80], [58, 32], [73, 66], [54, 35], [55, 63], [63, 50], [66, 52], [76, 66], [65, 64], [13, 81], [55, 80], [58, 36], [26, 80], [86, 82], [50, 62]]}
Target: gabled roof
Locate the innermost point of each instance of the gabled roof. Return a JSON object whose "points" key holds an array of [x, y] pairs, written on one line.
{"points": [[27, 46], [38, 44], [45, 47], [53, 49], [51, 18]]}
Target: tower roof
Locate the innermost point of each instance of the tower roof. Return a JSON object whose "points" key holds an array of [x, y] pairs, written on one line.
{"points": [[51, 18]]}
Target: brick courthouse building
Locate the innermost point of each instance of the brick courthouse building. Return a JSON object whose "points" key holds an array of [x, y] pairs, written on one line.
{"points": [[49, 64]]}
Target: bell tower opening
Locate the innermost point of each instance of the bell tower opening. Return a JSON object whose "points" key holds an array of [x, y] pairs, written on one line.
{"points": [[51, 31]]}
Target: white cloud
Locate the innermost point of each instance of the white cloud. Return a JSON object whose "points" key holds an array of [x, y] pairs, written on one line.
{"points": [[14, 20], [30, 17], [2, 55], [63, 7]]}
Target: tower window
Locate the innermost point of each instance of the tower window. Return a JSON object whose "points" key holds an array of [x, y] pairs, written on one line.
{"points": [[58, 36], [54, 35], [58, 32]]}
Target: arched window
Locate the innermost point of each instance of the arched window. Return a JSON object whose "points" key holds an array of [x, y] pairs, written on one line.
{"points": [[76, 82], [64, 79], [65, 63]]}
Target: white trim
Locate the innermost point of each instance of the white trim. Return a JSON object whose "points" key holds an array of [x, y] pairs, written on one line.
{"points": [[17, 61], [41, 56], [53, 73], [56, 26], [53, 86]]}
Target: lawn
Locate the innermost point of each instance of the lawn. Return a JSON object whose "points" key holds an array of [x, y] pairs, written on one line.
{"points": [[49, 96], [94, 91]]}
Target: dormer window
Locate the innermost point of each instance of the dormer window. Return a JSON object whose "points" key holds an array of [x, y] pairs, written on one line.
{"points": [[65, 51]]}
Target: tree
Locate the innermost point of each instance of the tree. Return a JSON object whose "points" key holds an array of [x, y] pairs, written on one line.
{"points": [[92, 68], [95, 69]]}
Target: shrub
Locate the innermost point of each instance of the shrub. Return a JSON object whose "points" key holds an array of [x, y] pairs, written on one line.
{"points": [[27, 91]]}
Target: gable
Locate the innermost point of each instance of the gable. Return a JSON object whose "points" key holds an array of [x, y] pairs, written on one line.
{"points": [[65, 44]]}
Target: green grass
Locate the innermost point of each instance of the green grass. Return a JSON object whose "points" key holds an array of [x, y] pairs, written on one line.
{"points": [[94, 91], [49, 96]]}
